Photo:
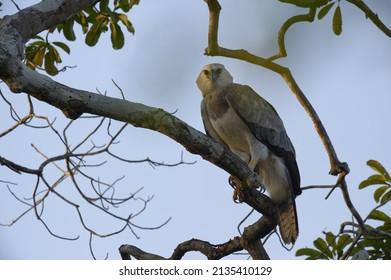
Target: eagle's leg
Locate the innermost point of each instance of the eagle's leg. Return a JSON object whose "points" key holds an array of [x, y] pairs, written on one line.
{"points": [[238, 195]]}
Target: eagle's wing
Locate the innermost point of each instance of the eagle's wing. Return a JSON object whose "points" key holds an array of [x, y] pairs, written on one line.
{"points": [[264, 122]]}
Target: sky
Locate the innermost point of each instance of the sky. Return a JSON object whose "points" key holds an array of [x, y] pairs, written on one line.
{"points": [[346, 78]]}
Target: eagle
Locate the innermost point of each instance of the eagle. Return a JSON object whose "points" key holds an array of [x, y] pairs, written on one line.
{"points": [[238, 118]]}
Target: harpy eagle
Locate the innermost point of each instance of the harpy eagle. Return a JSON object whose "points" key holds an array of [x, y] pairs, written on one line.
{"points": [[237, 117]]}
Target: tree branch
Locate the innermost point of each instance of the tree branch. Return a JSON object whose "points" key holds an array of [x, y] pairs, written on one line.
{"points": [[250, 241], [344, 188], [128, 250], [371, 15], [284, 28]]}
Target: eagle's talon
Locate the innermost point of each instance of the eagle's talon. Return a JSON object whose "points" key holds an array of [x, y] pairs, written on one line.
{"points": [[238, 195]]}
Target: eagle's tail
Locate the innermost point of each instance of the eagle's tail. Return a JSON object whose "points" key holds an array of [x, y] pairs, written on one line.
{"points": [[288, 224]]}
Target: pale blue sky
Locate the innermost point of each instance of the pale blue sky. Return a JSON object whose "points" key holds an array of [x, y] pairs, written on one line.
{"points": [[346, 78]]}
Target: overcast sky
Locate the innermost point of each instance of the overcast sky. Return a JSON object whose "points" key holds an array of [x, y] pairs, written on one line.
{"points": [[346, 78]]}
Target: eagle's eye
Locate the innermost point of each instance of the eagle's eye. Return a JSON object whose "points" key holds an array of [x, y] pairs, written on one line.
{"points": [[218, 71], [206, 72]]}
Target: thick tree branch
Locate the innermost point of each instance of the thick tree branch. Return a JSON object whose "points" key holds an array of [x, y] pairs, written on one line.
{"points": [[128, 250], [249, 241]]}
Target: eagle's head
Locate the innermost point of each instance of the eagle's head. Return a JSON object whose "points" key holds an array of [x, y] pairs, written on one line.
{"points": [[213, 78]]}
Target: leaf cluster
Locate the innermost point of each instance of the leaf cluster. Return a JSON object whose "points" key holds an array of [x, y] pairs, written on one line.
{"points": [[41, 53], [331, 247], [373, 242], [105, 16], [337, 17], [324, 8], [383, 193]]}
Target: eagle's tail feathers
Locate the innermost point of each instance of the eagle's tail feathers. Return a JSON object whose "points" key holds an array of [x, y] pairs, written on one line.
{"points": [[288, 225]]}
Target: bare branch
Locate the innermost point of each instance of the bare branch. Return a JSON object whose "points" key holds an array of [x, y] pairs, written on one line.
{"points": [[128, 250], [344, 188], [249, 241], [17, 168], [284, 28]]}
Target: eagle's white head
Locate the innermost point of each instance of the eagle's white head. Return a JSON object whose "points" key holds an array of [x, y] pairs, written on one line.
{"points": [[213, 78]]}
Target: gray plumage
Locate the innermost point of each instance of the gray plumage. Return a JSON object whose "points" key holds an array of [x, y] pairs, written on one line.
{"points": [[237, 117]]}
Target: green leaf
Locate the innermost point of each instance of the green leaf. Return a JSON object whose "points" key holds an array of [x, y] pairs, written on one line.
{"points": [[378, 167], [330, 238], [63, 46], [373, 180], [68, 31], [324, 11], [386, 197], [104, 6], [385, 227], [96, 30], [306, 3], [50, 68], [56, 54], [39, 56], [81, 19], [311, 253], [379, 215], [134, 2], [38, 38], [124, 19], [343, 241], [39, 44], [117, 37], [379, 192], [371, 243], [35, 53], [124, 5], [337, 21], [322, 246]]}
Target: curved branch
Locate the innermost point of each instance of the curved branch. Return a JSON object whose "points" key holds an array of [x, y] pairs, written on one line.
{"points": [[128, 250], [310, 16], [336, 166], [371, 15], [344, 188], [250, 241], [212, 252]]}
